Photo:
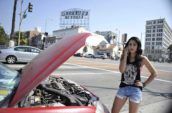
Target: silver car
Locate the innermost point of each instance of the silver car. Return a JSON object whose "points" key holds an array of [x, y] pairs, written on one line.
{"points": [[18, 54]]}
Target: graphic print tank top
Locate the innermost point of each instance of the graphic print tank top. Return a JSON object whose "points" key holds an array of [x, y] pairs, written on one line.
{"points": [[131, 75]]}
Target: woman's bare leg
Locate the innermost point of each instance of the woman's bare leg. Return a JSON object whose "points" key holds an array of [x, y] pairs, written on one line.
{"points": [[118, 104], [133, 107]]}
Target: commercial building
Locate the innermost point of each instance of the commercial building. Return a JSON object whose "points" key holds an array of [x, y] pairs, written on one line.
{"points": [[158, 37], [74, 17]]}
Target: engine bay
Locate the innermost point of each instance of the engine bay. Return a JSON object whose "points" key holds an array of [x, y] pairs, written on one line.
{"points": [[57, 91]]}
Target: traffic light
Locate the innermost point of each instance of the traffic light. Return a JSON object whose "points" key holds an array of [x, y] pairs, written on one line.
{"points": [[124, 37], [30, 7]]}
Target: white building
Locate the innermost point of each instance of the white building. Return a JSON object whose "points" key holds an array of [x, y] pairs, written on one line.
{"points": [[158, 38], [95, 43]]}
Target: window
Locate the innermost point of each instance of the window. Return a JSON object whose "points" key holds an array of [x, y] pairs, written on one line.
{"points": [[22, 49], [148, 27], [148, 31], [159, 30], [159, 39], [154, 22], [148, 22], [159, 26], [148, 35], [159, 34], [34, 50], [160, 21]]}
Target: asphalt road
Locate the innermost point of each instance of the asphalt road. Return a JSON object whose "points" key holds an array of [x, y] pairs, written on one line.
{"points": [[102, 78]]}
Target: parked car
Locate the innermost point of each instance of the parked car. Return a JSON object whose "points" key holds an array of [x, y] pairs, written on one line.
{"points": [[33, 90], [88, 55], [18, 54], [100, 55]]}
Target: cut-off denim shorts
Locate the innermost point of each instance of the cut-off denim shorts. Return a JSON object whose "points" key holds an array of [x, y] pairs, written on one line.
{"points": [[133, 93]]}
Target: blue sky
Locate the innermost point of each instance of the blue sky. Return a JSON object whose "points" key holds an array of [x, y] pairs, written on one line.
{"points": [[119, 16]]}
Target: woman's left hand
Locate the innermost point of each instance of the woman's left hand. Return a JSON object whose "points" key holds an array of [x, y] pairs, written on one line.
{"points": [[139, 83]]}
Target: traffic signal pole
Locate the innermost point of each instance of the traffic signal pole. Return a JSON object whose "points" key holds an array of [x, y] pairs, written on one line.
{"points": [[23, 16]]}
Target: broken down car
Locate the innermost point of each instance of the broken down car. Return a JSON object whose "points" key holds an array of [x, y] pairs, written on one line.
{"points": [[34, 90]]}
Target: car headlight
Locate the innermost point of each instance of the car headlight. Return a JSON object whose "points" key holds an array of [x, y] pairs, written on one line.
{"points": [[100, 108]]}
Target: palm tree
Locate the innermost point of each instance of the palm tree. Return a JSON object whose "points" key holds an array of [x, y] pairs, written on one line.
{"points": [[170, 47], [170, 52]]}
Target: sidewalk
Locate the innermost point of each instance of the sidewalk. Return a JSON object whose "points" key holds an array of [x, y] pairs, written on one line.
{"points": [[158, 107]]}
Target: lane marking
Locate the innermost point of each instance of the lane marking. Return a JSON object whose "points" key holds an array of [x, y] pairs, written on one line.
{"points": [[162, 80], [161, 65]]}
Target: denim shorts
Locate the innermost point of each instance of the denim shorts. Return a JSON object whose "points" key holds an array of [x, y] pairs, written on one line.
{"points": [[133, 93]]}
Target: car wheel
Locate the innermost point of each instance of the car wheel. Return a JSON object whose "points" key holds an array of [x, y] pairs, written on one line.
{"points": [[11, 59]]}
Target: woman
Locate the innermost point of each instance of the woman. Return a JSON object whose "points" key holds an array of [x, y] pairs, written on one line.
{"points": [[131, 86]]}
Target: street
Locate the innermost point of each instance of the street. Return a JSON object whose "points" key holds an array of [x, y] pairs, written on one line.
{"points": [[102, 78]]}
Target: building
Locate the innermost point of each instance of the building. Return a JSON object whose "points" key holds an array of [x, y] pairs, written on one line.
{"points": [[74, 17], [94, 44], [110, 36], [158, 37]]}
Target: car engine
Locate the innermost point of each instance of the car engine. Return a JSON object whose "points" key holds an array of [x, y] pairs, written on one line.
{"points": [[58, 92]]}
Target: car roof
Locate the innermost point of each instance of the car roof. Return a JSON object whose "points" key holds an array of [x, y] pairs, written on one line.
{"points": [[46, 62]]}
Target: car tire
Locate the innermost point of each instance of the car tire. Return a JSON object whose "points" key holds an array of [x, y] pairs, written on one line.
{"points": [[11, 59]]}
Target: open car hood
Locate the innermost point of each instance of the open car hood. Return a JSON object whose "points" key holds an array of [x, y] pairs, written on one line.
{"points": [[46, 62]]}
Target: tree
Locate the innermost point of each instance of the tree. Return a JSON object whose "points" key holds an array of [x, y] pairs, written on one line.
{"points": [[170, 47], [170, 53], [85, 49], [3, 36], [23, 38]]}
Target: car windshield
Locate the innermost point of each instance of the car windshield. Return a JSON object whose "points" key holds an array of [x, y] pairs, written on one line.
{"points": [[8, 81]]}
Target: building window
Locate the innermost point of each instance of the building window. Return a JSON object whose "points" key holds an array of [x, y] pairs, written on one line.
{"points": [[159, 26], [160, 21], [148, 27], [154, 22], [159, 39], [159, 30], [148, 31], [148, 35], [149, 22]]}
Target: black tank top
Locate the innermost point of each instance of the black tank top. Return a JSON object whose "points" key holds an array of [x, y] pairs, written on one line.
{"points": [[131, 75]]}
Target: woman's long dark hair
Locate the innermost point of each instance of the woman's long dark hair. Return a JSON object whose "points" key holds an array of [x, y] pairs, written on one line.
{"points": [[138, 52]]}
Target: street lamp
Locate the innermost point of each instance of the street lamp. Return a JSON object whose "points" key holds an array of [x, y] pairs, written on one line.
{"points": [[118, 37], [46, 23]]}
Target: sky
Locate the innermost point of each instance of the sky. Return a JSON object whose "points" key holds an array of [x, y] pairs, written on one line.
{"points": [[119, 16]]}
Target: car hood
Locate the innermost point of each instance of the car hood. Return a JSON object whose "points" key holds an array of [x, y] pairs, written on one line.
{"points": [[46, 62]]}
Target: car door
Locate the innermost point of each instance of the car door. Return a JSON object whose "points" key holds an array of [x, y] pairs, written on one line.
{"points": [[21, 53], [33, 52]]}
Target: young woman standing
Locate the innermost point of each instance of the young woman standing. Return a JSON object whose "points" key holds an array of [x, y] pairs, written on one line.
{"points": [[130, 67]]}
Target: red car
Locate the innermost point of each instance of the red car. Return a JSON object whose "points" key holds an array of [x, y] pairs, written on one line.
{"points": [[32, 90]]}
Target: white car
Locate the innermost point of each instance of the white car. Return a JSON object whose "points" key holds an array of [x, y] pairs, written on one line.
{"points": [[89, 55], [18, 54], [100, 55]]}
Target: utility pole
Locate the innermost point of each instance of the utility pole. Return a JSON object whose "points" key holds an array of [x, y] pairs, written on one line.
{"points": [[13, 19], [21, 18]]}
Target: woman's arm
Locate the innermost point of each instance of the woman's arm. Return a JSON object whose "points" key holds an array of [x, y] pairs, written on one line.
{"points": [[123, 60], [151, 69]]}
